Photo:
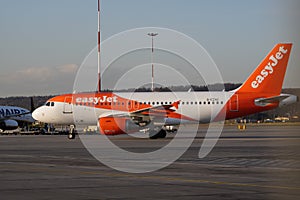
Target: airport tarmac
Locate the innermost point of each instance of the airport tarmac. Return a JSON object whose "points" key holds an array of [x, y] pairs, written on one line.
{"points": [[262, 162]]}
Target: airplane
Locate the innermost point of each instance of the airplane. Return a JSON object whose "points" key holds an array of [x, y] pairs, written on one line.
{"points": [[124, 113], [10, 116]]}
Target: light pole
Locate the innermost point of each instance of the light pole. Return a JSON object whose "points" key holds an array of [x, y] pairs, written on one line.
{"points": [[99, 48], [152, 35]]}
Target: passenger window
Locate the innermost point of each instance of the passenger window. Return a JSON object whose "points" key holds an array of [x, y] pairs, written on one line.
{"points": [[221, 102], [208, 102], [204, 102], [191, 103], [200, 102]]}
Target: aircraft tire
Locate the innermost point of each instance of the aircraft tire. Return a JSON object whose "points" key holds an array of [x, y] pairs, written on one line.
{"points": [[71, 135], [160, 134]]}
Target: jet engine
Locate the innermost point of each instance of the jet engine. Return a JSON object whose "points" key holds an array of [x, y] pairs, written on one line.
{"points": [[8, 124], [116, 126]]}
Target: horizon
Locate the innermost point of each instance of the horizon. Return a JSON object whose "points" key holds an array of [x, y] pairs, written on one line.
{"points": [[130, 90]]}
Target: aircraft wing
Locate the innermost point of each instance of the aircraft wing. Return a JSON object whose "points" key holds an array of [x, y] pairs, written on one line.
{"points": [[156, 111], [160, 110]]}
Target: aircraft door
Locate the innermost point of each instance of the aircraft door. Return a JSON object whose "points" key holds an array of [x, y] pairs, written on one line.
{"points": [[68, 105], [234, 103]]}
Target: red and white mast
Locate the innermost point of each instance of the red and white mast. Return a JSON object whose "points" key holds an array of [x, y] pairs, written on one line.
{"points": [[152, 35], [99, 41]]}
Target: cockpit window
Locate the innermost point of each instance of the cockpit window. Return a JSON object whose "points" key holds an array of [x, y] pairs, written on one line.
{"points": [[49, 104]]}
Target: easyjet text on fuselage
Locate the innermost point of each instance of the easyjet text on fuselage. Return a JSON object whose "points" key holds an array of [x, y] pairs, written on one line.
{"points": [[96, 100]]}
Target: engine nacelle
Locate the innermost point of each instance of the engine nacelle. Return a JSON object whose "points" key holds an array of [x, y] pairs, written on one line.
{"points": [[116, 126], [9, 124]]}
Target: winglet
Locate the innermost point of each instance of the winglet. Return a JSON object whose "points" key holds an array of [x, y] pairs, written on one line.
{"points": [[175, 104], [268, 76]]}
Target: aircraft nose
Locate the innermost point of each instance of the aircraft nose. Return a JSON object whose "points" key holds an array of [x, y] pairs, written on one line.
{"points": [[37, 114]]}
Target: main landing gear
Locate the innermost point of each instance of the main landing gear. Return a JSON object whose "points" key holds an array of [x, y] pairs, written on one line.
{"points": [[72, 132], [154, 134]]}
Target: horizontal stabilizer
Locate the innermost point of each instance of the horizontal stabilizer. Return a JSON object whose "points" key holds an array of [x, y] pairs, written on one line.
{"points": [[275, 99]]}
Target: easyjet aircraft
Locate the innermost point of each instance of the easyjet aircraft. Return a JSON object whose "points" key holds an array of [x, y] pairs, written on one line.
{"points": [[121, 113]]}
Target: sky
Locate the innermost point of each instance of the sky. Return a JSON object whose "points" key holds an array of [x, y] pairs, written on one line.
{"points": [[43, 43]]}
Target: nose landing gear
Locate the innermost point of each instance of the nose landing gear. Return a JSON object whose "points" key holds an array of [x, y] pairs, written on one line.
{"points": [[72, 132]]}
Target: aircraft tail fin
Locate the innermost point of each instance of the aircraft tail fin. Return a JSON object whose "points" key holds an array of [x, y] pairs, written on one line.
{"points": [[269, 75]]}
